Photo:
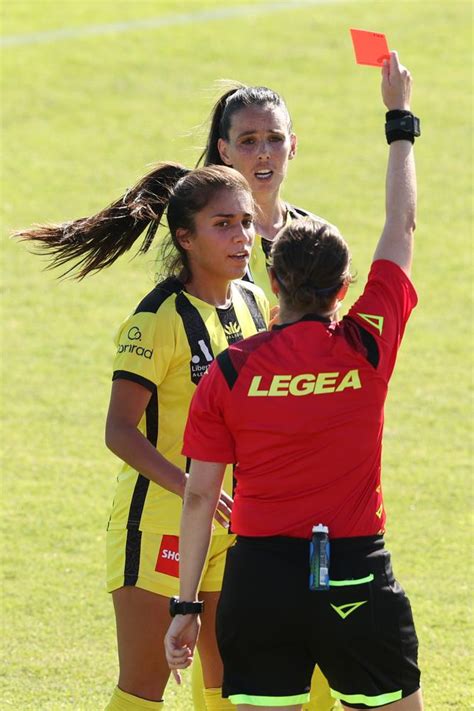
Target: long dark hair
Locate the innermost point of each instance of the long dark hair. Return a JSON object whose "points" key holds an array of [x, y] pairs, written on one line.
{"points": [[93, 243], [311, 262], [238, 97]]}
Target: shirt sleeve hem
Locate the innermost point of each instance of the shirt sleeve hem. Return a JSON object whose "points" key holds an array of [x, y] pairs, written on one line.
{"points": [[135, 378], [207, 456]]}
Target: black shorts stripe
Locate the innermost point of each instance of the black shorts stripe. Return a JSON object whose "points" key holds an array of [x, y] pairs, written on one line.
{"points": [[137, 503], [251, 303], [132, 556]]}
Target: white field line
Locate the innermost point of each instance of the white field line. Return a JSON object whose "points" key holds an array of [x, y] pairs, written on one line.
{"points": [[156, 22]]}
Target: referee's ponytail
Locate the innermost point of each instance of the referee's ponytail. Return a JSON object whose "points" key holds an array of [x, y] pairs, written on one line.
{"points": [[236, 98]]}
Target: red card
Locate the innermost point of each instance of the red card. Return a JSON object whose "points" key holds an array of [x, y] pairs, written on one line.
{"points": [[370, 47]]}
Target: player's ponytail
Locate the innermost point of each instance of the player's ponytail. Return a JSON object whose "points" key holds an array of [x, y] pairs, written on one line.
{"points": [[93, 243], [210, 155], [238, 97]]}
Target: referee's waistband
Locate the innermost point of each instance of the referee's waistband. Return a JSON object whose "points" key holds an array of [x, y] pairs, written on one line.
{"points": [[355, 544]]}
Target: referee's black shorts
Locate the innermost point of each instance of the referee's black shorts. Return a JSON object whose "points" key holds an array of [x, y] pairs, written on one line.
{"points": [[272, 629]]}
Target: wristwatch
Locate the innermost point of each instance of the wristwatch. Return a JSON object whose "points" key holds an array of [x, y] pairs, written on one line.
{"points": [[401, 125], [409, 123], [178, 607]]}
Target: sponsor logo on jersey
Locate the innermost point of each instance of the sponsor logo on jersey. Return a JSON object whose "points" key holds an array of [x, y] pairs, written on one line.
{"points": [[233, 332], [168, 556], [304, 384], [374, 321], [137, 350], [230, 324], [200, 362], [134, 334]]}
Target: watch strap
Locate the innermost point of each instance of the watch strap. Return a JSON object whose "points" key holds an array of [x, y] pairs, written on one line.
{"points": [[183, 607]]}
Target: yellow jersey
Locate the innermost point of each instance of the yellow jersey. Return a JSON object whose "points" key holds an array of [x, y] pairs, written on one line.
{"points": [[166, 346], [257, 271]]}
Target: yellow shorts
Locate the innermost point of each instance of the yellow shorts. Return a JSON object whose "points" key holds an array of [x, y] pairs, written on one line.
{"points": [[151, 561]]}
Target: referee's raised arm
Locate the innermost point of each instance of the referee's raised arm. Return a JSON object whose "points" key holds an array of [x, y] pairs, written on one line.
{"points": [[396, 241]]}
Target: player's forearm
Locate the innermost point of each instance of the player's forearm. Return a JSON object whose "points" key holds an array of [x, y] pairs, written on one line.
{"points": [[132, 447]]}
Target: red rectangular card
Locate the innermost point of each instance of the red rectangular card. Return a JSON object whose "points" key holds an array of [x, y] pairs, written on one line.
{"points": [[370, 47]]}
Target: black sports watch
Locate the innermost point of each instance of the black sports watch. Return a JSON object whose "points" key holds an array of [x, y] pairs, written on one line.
{"points": [[185, 608], [401, 125]]}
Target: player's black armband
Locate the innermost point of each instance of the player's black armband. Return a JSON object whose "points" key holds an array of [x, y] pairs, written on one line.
{"points": [[401, 126]]}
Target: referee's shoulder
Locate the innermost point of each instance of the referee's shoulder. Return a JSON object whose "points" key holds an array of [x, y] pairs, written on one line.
{"points": [[161, 296]]}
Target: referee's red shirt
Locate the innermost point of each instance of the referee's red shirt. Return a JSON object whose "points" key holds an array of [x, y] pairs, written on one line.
{"points": [[299, 410]]}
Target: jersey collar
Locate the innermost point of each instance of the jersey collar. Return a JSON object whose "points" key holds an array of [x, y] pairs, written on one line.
{"points": [[306, 317]]}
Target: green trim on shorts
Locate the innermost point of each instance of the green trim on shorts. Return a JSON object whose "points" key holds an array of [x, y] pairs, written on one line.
{"points": [[345, 583], [379, 700], [269, 700]]}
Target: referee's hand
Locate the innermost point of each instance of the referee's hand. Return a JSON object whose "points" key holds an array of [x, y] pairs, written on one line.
{"points": [[180, 642], [396, 84]]}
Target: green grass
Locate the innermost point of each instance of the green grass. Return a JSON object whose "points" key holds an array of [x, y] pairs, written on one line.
{"points": [[82, 118]]}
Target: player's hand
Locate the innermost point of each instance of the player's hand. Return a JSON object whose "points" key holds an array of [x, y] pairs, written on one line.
{"points": [[180, 642], [224, 509], [396, 84]]}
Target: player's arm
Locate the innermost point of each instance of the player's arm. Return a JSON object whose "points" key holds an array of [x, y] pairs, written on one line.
{"points": [[128, 402], [396, 241], [200, 501]]}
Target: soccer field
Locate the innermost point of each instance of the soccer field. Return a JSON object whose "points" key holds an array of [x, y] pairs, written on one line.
{"points": [[92, 93]]}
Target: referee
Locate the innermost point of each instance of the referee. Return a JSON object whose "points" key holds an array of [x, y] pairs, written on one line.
{"points": [[301, 410]]}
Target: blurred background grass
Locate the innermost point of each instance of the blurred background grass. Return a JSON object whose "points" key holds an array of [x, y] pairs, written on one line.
{"points": [[83, 116]]}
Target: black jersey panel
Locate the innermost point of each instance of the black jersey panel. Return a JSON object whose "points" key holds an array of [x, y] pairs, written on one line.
{"points": [[198, 337], [153, 300], [251, 303]]}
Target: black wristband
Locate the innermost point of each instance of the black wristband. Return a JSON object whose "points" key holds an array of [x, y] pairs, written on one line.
{"points": [[401, 125], [181, 607]]}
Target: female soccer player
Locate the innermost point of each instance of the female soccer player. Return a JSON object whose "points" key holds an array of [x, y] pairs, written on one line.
{"points": [[251, 130], [280, 404], [163, 350]]}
